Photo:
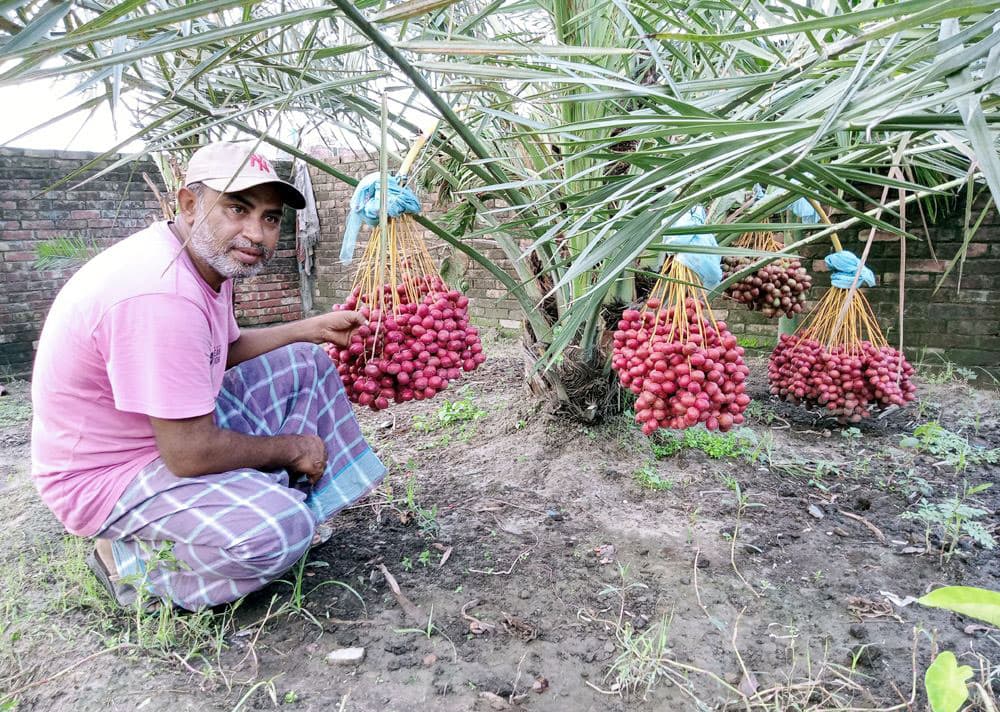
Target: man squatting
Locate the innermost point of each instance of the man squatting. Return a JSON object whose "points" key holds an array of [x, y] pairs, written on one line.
{"points": [[201, 457]]}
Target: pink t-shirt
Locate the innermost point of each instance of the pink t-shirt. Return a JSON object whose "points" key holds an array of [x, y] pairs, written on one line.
{"points": [[136, 332]]}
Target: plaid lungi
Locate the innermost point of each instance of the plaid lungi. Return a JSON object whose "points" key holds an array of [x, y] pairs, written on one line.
{"points": [[201, 541]]}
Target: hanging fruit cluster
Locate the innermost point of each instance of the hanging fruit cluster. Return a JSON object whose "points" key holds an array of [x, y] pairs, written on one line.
{"points": [[418, 337], [778, 288], [840, 361], [685, 366]]}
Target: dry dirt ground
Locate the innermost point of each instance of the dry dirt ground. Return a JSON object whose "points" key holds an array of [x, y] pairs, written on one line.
{"points": [[547, 565]]}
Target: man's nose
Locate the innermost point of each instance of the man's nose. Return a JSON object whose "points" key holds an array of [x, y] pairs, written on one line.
{"points": [[253, 230]]}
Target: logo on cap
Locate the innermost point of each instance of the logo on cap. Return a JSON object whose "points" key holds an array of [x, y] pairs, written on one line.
{"points": [[260, 163]]}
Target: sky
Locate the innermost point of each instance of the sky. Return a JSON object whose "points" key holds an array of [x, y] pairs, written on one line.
{"points": [[31, 104]]}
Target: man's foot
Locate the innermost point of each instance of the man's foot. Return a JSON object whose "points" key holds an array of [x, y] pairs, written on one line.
{"points": [[322, 535], [101, 562], [104, 552]]}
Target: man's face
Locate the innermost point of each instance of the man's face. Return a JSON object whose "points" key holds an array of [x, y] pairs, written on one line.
{"points": [[236, 233]]}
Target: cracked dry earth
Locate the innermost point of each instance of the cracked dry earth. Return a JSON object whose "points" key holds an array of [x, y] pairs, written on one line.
{"points": [[517, 561]]}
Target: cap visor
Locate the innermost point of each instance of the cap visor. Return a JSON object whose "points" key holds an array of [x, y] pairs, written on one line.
{"points": [[290, 195]]}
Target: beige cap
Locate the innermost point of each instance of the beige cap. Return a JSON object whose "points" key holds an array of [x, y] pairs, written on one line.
{"points": [[231, 167]]}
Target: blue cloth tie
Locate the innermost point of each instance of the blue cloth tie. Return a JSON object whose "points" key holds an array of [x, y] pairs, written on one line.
{"points": [[804, 210], [843, 266], [364, 209], [707, 267]]}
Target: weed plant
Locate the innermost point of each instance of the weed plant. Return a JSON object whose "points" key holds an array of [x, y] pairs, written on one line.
{"points": [[934, 439], [649, 478], [954, 518], [718, 446]]}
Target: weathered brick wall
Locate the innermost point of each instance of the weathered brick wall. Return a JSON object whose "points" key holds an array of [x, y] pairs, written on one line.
{"points": [[105, 210], [962, 325], [490, 305]]}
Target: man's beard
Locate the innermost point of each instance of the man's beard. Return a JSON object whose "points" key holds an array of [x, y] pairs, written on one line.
{"points": [[205, 244]]}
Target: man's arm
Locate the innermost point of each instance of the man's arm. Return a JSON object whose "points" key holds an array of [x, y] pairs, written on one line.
{"points": [[334, 327], [196, 446]]}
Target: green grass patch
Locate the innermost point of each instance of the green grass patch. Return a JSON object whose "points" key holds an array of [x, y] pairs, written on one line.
{"points": [[718, 446], [647, 477], [749, 341]]}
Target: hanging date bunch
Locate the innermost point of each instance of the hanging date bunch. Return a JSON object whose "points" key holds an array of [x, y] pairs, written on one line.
{"points": [[683, 363], [776, 289], [418, 337], [839, 360]]}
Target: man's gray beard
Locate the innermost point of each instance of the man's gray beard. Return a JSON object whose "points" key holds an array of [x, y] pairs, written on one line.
{"points": [[204, 243]]}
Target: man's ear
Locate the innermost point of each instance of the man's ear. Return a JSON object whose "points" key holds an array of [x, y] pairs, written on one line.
{"points": [[187, 205]]}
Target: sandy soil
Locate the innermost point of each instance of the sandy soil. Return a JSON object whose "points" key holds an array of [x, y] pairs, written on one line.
{"points": [[538, 566]]}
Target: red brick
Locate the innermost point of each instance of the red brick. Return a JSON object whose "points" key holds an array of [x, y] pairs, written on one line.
{"points": [[19, 256]]}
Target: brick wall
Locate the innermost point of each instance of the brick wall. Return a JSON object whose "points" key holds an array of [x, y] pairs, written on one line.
{"points": [[105, 210], [962, 326], [490, 304]]}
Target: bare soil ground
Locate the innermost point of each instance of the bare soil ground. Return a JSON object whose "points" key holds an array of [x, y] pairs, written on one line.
{"points": [[547, 565]]}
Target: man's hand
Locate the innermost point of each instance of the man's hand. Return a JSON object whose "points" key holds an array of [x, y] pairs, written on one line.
{"points": [[333, 327], [197, 446], [311, 457]]}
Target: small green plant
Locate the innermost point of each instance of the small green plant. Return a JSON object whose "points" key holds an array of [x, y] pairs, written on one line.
{"points": [[934, 439], [65, 252], [944, 372], [648, 478], [749, 341], [945, 681], [461, 412], [406, 563], [640, 660], [426, 518], [424, 558], [290, 697], [851, 433], [952, 519], [714, 444]]}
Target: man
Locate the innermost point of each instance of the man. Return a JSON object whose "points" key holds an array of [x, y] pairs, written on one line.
{"points": [[202, 457]]}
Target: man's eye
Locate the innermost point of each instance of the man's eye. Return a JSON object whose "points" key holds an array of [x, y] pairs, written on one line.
{"points": [[238, 209], [272, 219]]}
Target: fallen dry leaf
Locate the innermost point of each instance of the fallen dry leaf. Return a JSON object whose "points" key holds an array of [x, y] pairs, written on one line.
{"points": [[519, 627], [413, 612], [476, 626], [444, 556], [540, 685], [974, 628], [870, 608]]}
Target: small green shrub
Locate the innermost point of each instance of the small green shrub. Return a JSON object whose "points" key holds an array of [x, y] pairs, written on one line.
{"points": [[648, 478], [716, 445]]}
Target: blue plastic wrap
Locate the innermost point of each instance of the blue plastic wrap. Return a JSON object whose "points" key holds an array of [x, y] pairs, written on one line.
{"points": [[707, 267], [805, 211], [365, 205], [843, 266]]}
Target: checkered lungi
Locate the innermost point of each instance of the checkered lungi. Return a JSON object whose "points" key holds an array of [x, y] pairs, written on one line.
{"points": [[201, 541]]}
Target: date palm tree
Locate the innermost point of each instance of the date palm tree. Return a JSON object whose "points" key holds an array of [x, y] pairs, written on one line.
{"points": [[574, 132]]}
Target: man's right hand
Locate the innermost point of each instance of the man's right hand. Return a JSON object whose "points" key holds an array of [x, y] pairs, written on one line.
{"points": [[196, 446], [310, 459]]}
